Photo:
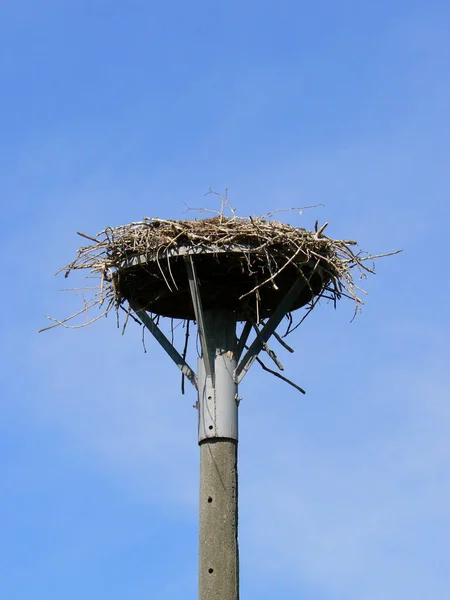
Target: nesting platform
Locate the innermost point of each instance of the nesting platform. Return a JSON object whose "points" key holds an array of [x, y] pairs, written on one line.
{"points": [[244, 264], [159, 282]]}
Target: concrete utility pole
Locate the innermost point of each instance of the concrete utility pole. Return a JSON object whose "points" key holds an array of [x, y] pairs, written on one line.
{"points": [[218, 439]]}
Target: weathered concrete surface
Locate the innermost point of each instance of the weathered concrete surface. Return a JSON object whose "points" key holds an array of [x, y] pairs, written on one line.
{"points": [[218, 548]]}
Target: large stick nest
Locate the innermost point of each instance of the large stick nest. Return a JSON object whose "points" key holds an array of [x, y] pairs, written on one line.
{"points": [[243, 264]]}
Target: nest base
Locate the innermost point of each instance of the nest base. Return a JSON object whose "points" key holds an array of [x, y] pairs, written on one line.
{"points": [[162, 288]]}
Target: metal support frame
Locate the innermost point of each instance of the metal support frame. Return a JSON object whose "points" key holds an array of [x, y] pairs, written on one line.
{"points": [[164, 342], [219, 374], [217, 388], [198, 311], [268, 329], [206, 366], [218, 574]]}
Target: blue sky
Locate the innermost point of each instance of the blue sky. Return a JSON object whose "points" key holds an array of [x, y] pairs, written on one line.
{"points": [[113, 111]]}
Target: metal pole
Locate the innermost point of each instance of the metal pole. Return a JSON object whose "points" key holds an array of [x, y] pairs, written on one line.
{"points": [[218, 438]]}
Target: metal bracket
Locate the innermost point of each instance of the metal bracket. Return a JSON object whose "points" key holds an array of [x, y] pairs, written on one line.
{"points": [[218, 404], [206, 404], [217, 388], [164, 342], [199, 317], [268, 329]]}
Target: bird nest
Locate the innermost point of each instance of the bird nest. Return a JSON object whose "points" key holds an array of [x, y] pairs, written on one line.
{"points": [[246, 265]]}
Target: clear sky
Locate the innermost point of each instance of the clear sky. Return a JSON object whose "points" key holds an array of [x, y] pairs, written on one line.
{"points": [[111, 111]]}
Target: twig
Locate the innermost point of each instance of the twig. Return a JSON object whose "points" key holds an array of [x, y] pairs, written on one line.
{"points": [[88, 237], [282, 342], [143, 339], [288, 262], [297, 387], [300, 209], [186, 339], [266, 348]]}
